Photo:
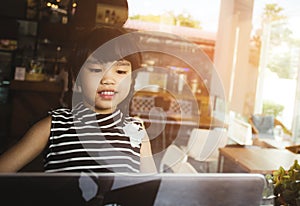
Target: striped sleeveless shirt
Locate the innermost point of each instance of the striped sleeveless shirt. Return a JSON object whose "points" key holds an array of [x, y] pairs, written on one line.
{"points": [[82, 140]]}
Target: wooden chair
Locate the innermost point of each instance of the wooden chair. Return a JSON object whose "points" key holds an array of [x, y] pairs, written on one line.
{"points": [[264, 125]]}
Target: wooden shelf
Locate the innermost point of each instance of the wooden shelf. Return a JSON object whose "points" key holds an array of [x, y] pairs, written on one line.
{"points": [[35, 86]]}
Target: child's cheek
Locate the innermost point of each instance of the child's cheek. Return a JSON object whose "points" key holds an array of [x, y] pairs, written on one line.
{"points": [[91, 86], [125, 86]]}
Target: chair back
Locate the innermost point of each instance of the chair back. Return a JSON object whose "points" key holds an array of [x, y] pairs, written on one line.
{"points": [[221, 138], [203, 143], [172, 159], [264, 124], [239, 131], [196, 142], [186, 168], [142, 105]]}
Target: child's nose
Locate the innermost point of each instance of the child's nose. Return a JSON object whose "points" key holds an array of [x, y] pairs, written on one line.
{"points": [[107, 78]]}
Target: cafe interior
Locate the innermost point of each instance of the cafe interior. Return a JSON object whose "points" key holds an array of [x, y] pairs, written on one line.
{"points": [[198, 93]]}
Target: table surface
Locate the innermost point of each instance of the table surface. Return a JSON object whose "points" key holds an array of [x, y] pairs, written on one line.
{"points": [[259, 160], [272, 143]]}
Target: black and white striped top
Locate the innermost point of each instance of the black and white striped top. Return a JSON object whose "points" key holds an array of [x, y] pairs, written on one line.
{"points": [[82, 140]]}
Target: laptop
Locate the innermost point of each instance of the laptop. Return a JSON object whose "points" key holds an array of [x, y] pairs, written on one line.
{"points": [[121, 189], [217, 189]]}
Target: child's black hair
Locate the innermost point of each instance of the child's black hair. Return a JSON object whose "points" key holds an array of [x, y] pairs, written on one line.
{"points": [[91, 41]]}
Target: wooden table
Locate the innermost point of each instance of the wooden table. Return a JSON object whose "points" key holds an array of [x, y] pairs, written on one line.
{"points": [[254, 159], [272, 143]]}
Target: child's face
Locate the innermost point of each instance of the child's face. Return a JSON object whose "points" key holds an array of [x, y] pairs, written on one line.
{"points": [[106, 85]]}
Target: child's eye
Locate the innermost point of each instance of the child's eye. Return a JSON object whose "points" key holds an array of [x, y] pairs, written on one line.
{"points": [[122, 71], [95, 70]]}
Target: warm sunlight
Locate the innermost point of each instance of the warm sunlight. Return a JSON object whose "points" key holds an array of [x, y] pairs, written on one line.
{"points": [[207, 12], [271, 83]]}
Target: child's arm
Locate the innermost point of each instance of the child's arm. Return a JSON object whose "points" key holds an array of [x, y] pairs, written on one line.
{"points": [[29, 147], [147, 162]]}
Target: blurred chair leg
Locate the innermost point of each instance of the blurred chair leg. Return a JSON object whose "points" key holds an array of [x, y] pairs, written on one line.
{"points": [[207, 167]]}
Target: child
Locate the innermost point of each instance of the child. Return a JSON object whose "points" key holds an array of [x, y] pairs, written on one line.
{"points": [[97, 134]]}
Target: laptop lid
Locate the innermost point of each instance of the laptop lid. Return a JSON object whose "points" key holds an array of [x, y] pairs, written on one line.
{"points": [[118, 189], [216, 189]]}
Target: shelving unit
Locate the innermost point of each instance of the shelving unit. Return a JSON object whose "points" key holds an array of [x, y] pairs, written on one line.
{"points": [[32, 35]]}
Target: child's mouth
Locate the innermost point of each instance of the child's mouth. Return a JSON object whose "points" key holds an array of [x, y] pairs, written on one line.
{"points": [[107, 94]]}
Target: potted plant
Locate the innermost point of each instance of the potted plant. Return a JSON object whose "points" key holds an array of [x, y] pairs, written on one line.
{"points": [[287, 185]]}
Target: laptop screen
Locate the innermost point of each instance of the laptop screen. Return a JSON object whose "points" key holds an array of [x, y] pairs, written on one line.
{"points": [[121, 189]]}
